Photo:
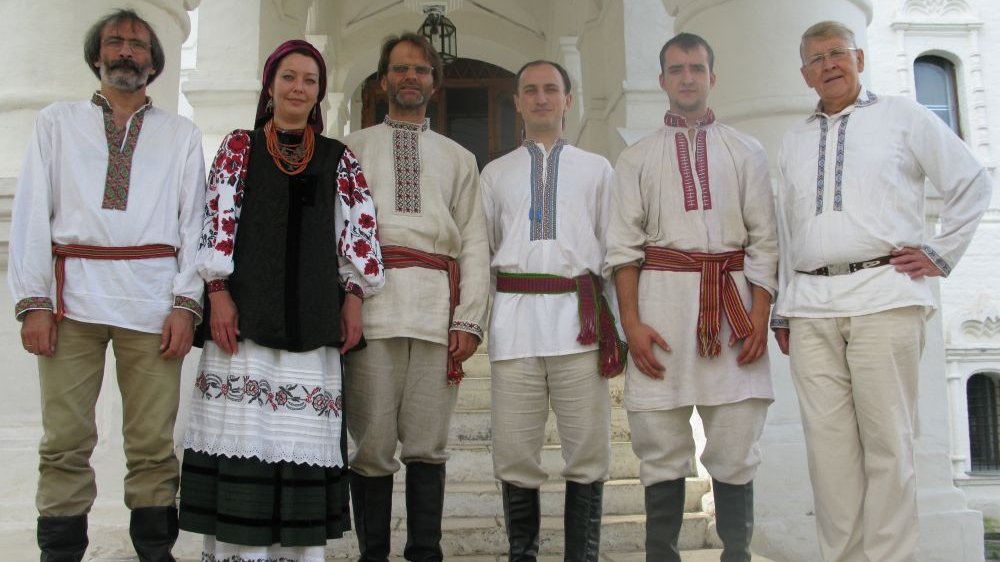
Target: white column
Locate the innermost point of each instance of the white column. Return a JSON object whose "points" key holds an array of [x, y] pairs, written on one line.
{"points": [[49, 67], [234, 39]]}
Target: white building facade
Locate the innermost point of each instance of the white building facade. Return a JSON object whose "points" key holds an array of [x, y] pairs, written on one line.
{"points": [[610, 48]]}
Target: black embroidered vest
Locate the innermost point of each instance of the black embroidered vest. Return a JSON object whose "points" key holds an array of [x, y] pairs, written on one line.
{"points": [[285, 282]]}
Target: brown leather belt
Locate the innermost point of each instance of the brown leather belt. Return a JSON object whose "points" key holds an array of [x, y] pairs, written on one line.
{"points": [[848, 268]]}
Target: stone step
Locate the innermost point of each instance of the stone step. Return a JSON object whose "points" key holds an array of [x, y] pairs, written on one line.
{"points": [[475, 426], [483, 499], [474, 462]]}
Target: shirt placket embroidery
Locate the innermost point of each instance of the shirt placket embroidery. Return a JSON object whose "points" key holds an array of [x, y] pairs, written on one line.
{"points": [[824, 128], [701, 166], [687, 178], [544, 184], [838, 172], [121, 148], [698, 137], [406, 158]]}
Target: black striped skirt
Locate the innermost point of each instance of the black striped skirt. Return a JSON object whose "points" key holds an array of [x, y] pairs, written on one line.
{"points": [[250, 502]]}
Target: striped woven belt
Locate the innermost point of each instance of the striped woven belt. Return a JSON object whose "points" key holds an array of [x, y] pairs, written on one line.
{"points": [[597, 323], [718, 291], [396, 257], [63, 251]]}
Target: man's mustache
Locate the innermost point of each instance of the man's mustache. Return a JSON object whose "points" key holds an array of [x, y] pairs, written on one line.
{"points": [[124, 63]]}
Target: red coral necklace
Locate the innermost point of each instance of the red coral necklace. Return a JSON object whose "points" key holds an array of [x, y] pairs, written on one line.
{"points": [[290, 158]]}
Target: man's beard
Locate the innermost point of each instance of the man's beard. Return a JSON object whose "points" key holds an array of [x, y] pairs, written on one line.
{"points": [[124, 74], [411, 103]]}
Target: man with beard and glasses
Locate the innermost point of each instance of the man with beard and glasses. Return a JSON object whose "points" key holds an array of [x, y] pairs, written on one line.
{"points": [[402, 387], [692, 243], [113, 189]]}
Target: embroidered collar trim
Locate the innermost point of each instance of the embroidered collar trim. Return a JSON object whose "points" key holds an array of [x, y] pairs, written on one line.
{"points": [[99, 100], [674, 120], [406, 125], [865, 98]]}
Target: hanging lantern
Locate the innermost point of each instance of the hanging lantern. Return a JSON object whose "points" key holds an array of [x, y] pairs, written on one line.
{"points": [[440, 32]]}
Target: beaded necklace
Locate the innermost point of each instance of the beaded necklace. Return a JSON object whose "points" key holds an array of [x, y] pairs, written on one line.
{"points": [[290, 158]]}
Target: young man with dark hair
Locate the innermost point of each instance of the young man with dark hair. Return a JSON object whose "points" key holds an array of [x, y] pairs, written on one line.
{"points": [[693, 248], [553, 340]]}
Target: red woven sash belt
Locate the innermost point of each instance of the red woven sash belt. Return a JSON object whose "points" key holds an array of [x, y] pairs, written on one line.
{"points": [[63, 251], [597, 323], [396, 257], [718, 291]]}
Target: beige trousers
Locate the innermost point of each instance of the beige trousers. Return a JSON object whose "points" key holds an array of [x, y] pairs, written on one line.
{"points": [[856, 378], [70, 384], [663, 441], [522, 391], [396, 390]]}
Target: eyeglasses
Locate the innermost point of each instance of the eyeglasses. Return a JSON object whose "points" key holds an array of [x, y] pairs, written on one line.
{"points": [[420, 69], [118, 42], [838, 54]]}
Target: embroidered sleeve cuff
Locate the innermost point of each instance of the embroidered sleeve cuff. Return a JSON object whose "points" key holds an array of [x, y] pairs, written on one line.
{"points": [[216, 285], [32, 303], [355, 289], [937, 259], [189, 305], [779, 322], [471, 327]]}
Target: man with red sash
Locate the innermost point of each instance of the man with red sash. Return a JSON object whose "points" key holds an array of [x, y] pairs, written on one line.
{"points": [[113, 188], [428, 319], [692, 244], [552, 335]]}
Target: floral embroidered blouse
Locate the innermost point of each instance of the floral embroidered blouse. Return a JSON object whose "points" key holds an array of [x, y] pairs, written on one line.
{"points": [[361, 268]]}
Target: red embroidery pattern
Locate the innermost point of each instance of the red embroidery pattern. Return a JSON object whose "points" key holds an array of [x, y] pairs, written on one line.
{"points": [[32, 303], [260, 392], [121, 147], [357, 239], [406, 156], [701, 166], [687, 178]]}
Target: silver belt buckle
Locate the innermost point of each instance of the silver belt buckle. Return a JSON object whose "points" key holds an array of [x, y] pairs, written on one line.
{"points": [[869, 263], [838, 269]]}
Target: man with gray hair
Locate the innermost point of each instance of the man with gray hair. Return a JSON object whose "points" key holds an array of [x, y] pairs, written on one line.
{"points": [[120, 212], [853, 292]]}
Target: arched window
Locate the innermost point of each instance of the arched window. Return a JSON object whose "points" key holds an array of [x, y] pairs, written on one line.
{"points": [[983, 397], [935, 82]]}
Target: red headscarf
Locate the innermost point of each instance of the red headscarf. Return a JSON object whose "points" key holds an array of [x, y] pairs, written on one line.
{"points": [[271, 67]]}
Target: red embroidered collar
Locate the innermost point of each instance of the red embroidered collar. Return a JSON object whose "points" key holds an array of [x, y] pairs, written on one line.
{"points": [[674, 120]]}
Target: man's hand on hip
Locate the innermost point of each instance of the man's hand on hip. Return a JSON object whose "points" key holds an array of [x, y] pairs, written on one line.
{"points": [[39, 331], [178, 332], [914, 262]]}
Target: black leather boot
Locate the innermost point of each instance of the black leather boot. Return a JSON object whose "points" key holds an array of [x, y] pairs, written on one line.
{"points": [[734, 519], [582, 521], [424, 508], [62, 539], [371, 497], [522, 515], [664, 517], [154, 532]]}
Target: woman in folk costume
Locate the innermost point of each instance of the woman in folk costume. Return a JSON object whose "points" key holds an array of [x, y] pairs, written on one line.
{"points": [[288, 252]]}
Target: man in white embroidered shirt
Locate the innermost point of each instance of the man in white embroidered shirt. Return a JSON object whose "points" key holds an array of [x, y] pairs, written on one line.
{"points": [[853, 290], [114, 189], [552, 333], [693, 246], [402, 387]]}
